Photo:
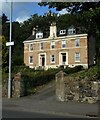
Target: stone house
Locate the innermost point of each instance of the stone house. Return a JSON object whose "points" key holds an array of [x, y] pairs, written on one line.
{"points": [[67, 48]]}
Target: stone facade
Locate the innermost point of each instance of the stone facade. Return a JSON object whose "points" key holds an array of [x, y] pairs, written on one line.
{"points": [[76, 89], [70, 51], [62, 56], [17, 87]]}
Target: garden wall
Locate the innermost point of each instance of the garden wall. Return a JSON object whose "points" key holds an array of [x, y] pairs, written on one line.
{"points": [[76, 89], [17, 87]]}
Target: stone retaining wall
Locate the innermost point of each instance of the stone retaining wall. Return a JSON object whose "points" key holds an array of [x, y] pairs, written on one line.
{"points": [[17, 87], [76, 89], [4, 88]]}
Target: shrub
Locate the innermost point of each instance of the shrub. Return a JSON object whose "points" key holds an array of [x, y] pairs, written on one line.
{"points": [[69, 70], [33, 78]]}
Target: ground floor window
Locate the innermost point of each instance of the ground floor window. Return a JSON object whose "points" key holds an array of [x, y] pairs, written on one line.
{"points": [[52, 58], [30, 59], [77, 56]]}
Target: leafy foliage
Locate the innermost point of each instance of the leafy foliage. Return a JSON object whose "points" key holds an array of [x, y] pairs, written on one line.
{"points": [[4, 18], [72, 7], [90, 73], [33, 78], [4, 54]]}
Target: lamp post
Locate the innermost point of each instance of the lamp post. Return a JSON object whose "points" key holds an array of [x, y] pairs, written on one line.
{"points": [[9, 44]]}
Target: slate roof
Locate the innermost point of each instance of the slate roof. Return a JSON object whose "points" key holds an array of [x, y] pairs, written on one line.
{"points": [[47, 33], [32, 37]]}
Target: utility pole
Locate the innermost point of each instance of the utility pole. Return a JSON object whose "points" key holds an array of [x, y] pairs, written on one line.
{"points": [[10, 44]]}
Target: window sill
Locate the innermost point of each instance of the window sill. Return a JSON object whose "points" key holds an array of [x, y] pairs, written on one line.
{"points": [[31, 63], [31, 51], [52, 62], [52, 49], [77, 61], [63, 48]]}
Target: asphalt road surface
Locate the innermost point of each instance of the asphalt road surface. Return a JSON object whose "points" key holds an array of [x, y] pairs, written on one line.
{"points": [[24, 114]]}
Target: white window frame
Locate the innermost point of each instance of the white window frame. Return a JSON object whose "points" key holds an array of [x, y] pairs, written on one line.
{"points": [[63, 43], [31, 47], [41, 46], [30, 62], [77, 57], [77, 42], [51, 58], [39, 35], [52, 44], [62, 32], [71, 31]]}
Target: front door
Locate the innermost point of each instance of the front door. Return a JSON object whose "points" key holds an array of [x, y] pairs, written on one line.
{"points": [[63, 58], [42, 60]]}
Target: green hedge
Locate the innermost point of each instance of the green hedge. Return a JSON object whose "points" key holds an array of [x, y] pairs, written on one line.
{"points": [[33, 78], [69, 70]]}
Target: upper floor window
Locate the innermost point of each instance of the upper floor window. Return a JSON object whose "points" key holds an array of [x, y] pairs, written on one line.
{"points": [[77, 56], [63, 43], [62, 32], [39, 35], [30, 59], [52, 58], [77, 42], [71, 31], [41, 46], [52, 44], [30, 47]]}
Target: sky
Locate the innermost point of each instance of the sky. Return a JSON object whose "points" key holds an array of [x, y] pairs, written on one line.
{"points": [[23, 10]]}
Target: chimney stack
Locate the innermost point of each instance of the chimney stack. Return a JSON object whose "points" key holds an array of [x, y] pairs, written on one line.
{"points": [[33, 31], [53, 30]]}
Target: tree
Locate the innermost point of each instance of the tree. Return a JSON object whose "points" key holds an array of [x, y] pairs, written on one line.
{"points": [[4, 54], [90, 19], [0, 51], [72, 7], [5, 26], [3, 39], [4, 18], [17, 49]]}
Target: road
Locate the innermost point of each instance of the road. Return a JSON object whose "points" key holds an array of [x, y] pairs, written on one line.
{"points": [[44, 104], [23, 114]]}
